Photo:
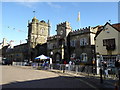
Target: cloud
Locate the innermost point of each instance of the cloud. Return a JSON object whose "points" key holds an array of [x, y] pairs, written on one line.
{"points": [[53, 5], [28, 4]]}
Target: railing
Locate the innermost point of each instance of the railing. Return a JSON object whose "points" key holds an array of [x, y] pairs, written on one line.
{"points": [[112, 72], [78, 69]]}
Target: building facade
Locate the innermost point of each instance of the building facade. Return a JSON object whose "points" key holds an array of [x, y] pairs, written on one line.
{"points": [[18, 53], [57, 45], [82, 45], [108, 43], [71, 45], [38, 31]]}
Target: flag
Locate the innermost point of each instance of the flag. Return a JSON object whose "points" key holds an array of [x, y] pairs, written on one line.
{"points": [[78, 19]]}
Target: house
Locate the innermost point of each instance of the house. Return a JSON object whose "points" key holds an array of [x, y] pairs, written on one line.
{"points": [[108, 43]]}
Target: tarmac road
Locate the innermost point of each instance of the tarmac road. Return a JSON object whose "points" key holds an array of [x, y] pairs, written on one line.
{"points": [[16, 77]]}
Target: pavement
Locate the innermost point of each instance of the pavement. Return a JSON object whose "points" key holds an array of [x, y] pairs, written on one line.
{"points": [[89, 79]]}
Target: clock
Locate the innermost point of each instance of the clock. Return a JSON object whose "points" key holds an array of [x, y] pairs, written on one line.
{"points": [[61, 32]]}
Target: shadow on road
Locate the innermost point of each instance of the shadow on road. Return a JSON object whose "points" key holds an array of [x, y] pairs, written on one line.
{"points": [[61, 82]]}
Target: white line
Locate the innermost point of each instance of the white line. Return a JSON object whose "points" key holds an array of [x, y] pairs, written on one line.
{"points": [[84, 82], [88, 84]]}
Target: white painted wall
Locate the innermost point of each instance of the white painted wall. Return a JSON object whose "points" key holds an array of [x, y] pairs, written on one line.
{"points": [[104, 35]]}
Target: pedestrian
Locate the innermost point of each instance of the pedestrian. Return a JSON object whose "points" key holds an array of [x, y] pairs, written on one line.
{"points": [[70, 64], [105, 69], [64, 63], [50, 65], [117, 65], [43, 64]]}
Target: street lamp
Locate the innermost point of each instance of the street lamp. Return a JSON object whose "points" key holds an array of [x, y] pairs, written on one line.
{"points": [[99, 64], [51, 53]]}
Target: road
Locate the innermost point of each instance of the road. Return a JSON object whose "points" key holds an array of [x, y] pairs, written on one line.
{"points": [[18, 77]]}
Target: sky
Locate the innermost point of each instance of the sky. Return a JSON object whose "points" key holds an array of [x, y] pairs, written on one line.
{"points": [[15, 16]]}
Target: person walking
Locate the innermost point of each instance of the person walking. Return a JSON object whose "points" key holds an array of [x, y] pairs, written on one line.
{"points": [[64, 64], [70, 64], [105, 69]]}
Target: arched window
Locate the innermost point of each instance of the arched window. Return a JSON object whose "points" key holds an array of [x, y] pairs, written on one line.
{"points": [[84, 57], [83, 42]]}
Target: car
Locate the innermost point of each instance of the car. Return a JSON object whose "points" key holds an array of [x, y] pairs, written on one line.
{"points": [[111, 69], [6, 61], [26, 64]]}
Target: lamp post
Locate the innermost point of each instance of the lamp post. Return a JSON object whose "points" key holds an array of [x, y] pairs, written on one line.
{"points": [[99, 67], [51, 53]]}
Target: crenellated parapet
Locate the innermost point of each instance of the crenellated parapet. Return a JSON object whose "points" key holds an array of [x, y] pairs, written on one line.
{"points": [[53, 37], [38, 31], [80, 31], [35, 21], [63, 24]]}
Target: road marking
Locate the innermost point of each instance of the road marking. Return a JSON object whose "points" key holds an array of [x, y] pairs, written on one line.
{"points": [[88, 84], [80, 80]]}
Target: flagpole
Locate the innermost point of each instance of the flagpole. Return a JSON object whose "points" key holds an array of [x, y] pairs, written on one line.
{"points": [[79, 24]]}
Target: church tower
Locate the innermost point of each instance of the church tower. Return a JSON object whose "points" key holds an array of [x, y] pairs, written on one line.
{"points": [[38, 31]]}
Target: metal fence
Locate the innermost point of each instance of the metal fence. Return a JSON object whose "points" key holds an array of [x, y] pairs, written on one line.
{"points": [[78, 69], [75, 68], [111, 72]]}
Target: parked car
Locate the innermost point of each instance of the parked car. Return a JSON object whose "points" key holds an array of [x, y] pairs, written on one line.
{"points": [[111, 69], [6, 61], [27, 64]]}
